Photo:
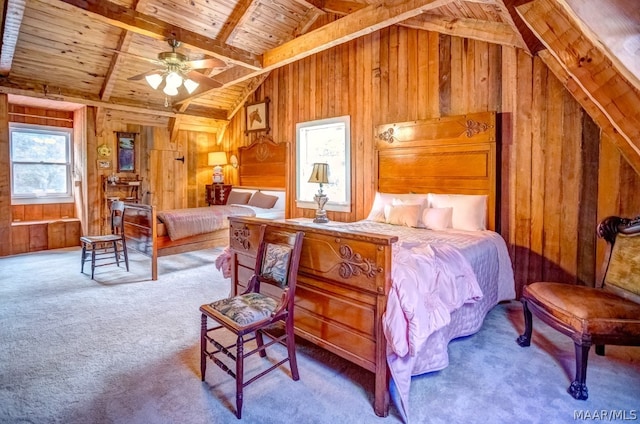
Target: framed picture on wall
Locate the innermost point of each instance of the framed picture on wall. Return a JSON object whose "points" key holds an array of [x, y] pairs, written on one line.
{"points": [[257, 116], [126, 152]]}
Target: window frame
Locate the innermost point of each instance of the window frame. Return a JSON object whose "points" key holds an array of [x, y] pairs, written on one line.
{"points": [[25, 199], [303, 169]]}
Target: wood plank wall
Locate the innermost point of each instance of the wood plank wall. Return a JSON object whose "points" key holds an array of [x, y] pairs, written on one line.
{"points": [[551, 150]]}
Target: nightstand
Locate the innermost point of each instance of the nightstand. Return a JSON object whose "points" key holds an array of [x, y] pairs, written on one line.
{"points": [[217, 194]]}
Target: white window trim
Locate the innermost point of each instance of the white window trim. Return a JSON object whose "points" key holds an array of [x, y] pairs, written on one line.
{"points": [[49, 198], [331, 205]]}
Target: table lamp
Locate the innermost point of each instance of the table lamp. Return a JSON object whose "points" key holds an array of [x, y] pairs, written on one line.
{"points": [[217, 159], [320, 175]]}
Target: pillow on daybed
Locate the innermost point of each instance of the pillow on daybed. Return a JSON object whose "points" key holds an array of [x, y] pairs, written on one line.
{"points": [[407, 215], [238, 197], [383, 199], [469, 210], [261, 200]]}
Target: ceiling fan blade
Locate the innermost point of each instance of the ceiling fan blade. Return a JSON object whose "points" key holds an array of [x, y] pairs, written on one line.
{"points": [[144, 74], [206, 63], [203, 80]]}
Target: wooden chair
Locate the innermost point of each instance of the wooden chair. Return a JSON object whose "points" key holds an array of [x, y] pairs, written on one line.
{"points": [[249, 314], [606, 314], [110, 247]]}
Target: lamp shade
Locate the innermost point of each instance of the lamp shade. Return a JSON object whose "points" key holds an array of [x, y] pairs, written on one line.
{"points": [[217, 158], [320, 173]]}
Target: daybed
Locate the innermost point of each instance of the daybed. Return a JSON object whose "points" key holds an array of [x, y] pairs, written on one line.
{"points": [[161, 233]]}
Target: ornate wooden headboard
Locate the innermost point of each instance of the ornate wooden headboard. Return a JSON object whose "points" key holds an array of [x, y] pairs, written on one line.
{"points": [[263, 164], [453, 154]]}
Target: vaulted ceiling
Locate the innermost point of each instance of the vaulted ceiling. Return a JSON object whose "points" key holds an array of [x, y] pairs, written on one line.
{"points": [[86, 51]]}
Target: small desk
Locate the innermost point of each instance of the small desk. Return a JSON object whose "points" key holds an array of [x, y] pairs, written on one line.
{"points": [[217, 194]]}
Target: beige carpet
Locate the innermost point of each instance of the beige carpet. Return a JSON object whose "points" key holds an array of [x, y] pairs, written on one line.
{"points": [[124, 349]]}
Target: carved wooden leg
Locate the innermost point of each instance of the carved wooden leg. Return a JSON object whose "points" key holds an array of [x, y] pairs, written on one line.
{"points": [[525, 338], [203, 346], [239, 375], [600, 350], [578, 388]]}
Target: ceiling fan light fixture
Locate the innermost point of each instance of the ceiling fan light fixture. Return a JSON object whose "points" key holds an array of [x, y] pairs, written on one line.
{"points": [[190, 85], [173, 79], [154, 80]]}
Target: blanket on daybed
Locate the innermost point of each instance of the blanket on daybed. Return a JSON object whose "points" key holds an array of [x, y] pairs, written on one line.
{"points": [[181, 223]]}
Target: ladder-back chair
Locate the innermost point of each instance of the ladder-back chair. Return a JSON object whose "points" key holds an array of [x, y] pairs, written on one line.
{"points": [[249, 314], [110, 248]]}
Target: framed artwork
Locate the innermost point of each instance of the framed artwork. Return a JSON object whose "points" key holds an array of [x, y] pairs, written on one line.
{"points": [[126, 152], [257, 116], [104, 164]]}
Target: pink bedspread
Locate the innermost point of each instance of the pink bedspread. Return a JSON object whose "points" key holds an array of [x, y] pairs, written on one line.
{"points": [[429, 283], [181, 223]]}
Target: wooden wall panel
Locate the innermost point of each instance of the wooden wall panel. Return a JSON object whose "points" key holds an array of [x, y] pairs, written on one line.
{"points": [[398, 74]]}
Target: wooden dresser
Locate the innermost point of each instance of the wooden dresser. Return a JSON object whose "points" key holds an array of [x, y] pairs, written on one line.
{"points": [[341, 295]]}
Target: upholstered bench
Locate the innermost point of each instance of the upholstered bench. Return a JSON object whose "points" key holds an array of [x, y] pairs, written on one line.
{"points": [[606, 314]]}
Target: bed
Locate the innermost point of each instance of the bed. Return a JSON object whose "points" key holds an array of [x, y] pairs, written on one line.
{"points": [[347, 300], [262, 173]]}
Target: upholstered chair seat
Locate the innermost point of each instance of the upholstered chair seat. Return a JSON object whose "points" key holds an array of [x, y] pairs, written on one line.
{"points": [[606, 314], [268, 302]]}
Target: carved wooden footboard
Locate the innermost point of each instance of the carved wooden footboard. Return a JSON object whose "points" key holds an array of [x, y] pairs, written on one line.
{"points": [[141, 232], [343, 282]]}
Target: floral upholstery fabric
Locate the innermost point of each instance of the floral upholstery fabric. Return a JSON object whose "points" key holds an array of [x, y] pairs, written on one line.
{"points": [[276, 263], [247, 308]]}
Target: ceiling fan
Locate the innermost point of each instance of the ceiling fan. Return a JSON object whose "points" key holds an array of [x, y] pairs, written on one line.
{"points": [[175, 70]]}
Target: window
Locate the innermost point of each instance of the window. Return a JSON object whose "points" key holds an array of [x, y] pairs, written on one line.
{"points": [[325, 140], [40, 164]]}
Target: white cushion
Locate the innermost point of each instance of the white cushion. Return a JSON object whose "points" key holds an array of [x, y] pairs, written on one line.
{"points": [[437, 218], [383, 199], [469, 210], [407, 215]]}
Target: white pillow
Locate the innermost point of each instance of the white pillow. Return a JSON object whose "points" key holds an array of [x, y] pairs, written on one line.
{"points": [[469, 210], [437, 218], [407, 215], [383, 199]]}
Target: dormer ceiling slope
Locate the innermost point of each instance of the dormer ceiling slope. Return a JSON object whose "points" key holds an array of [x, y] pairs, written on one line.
{"points": [[85, 51]]}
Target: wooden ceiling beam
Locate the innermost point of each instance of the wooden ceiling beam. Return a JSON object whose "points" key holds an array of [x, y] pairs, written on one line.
{"points": [[41, 91], [578, 93], [350, 27], [131, 20], [587, 65], [117, 60], [488, 31], [12, 13], [239, 12], [364, 21]]}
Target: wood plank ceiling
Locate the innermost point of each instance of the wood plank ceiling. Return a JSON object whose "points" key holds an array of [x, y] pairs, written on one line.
{"points": [[86, 51]]}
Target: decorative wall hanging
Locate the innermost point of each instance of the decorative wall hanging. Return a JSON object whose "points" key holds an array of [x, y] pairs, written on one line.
{"points": [[257, 116], [126, 152]]}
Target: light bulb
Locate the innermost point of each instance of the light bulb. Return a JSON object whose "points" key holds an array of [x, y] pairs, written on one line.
{"points": [[170, 90], [154, 80], [190, 85], [173, 80]]}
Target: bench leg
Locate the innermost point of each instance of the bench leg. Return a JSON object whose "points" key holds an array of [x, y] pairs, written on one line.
{"points": [[525, 338], [578, 388]]}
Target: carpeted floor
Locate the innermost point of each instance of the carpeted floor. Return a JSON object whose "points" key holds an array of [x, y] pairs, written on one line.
{"points": [[124, 349]]}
